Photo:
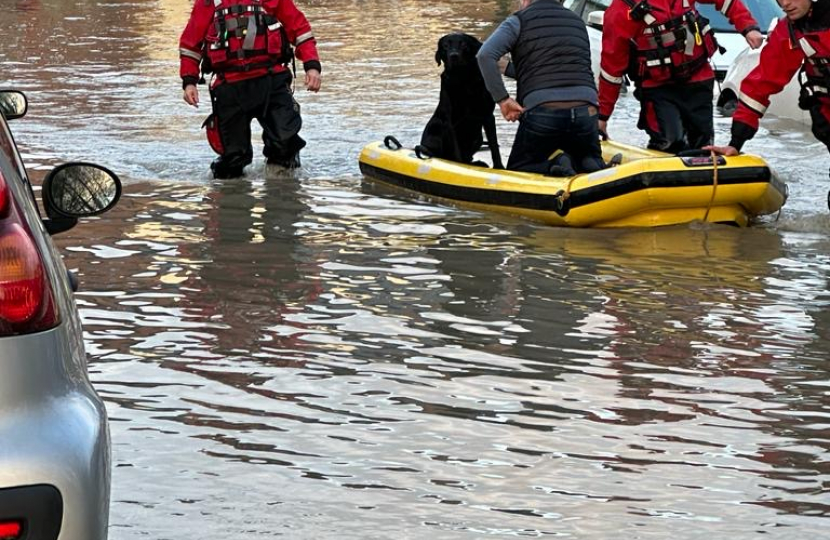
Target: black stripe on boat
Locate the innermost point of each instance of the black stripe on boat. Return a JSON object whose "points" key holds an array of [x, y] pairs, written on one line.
{"points": [[580, 197]]}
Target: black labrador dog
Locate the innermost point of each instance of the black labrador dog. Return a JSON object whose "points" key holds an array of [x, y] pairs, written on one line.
{"points": [[465, 107]]}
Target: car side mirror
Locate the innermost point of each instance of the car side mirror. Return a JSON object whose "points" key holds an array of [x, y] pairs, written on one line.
{"points": [[77, 190], [595, 19], [13, 104]]}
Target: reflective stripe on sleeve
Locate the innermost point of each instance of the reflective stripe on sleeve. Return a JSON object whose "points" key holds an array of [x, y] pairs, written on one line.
{"points": [[752, 104], [610, 78], [726, 5], [304, 37], [190, 54]]}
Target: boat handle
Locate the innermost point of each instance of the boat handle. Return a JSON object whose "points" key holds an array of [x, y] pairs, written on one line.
{"points": [[389, 140]]}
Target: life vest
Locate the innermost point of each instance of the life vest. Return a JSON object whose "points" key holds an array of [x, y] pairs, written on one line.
{"points": [[815, 74], [243, 37], [672, 48]]}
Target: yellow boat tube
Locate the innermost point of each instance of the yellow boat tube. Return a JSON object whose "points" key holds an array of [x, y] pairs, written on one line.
{"points": [[647, 189]]}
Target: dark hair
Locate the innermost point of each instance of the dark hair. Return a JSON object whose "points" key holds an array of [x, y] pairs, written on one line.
{"points": [[817, 19]]}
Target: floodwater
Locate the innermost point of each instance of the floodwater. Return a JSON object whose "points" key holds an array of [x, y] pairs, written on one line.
{"points": [[319, 357]]}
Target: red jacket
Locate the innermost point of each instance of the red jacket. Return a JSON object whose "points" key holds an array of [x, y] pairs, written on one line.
{"points": [[779, 61], [621, 32], [201, 29]]}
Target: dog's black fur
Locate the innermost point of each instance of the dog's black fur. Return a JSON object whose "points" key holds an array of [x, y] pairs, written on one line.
{"points": [[465, 107]]}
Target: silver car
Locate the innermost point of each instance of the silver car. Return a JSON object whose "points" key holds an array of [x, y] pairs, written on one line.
{"points": [[54, 439]]}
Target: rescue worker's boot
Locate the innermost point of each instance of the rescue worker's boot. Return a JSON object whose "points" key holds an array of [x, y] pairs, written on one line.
{"points": [[222, 170], [290, 163], [285, 155]]}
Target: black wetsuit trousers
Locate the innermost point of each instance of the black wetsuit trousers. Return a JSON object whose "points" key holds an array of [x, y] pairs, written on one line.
{"points": [[677, 117], [820, 115], [269, 100]]}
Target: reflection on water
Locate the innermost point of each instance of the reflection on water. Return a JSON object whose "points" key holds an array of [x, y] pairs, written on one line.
{"points": [[352, 360], [320, 357]]}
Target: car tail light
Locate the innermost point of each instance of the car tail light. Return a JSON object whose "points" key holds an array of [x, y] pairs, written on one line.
{"points": [[10, 530], [26, 303]]}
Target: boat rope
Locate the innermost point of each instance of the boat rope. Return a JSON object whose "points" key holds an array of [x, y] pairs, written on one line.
{"points": [[561, 197], [787, 196], [714, 185], [564, 194]]}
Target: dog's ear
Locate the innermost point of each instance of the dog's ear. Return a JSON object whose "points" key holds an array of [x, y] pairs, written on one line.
{"points": [[473, 43], [439, 52]]}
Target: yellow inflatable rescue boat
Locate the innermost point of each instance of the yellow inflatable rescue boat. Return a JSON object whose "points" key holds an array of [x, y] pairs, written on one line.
{"points": [[647, 189]]}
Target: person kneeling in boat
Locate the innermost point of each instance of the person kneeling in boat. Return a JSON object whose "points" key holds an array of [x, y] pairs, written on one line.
{"points": [[664, 46], [801, 40], [556, 102]]}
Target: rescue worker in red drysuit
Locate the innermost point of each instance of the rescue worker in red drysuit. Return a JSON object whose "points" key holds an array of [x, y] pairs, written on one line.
{"points": [[248, 46], [664, 46], [801, 40]]}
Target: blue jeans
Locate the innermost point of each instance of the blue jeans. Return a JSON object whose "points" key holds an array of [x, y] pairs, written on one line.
{"points": [[542, 131]]}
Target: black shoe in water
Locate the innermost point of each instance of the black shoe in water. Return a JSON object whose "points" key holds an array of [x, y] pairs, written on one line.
{"points": [[290, 163], [221, 170], [224, 173]]}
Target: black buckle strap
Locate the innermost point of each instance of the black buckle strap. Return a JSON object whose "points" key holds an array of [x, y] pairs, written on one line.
{"points": [[687, 19], [638, 11]]}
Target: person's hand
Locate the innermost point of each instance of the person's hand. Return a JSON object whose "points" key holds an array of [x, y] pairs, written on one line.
{"points": [[722, 150], [603, 129], [754, 39], [313, 80], [191, 95], [510, 109]]}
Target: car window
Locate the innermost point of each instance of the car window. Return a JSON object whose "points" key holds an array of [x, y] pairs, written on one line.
{"points": [[764, 12], [8, 147], [584, 7]]}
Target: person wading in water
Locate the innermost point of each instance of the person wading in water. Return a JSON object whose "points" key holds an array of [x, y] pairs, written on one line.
{"points": [[249, 46]]}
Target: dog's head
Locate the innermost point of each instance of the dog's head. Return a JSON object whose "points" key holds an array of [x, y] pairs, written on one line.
{"points": [[457, 50]]}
